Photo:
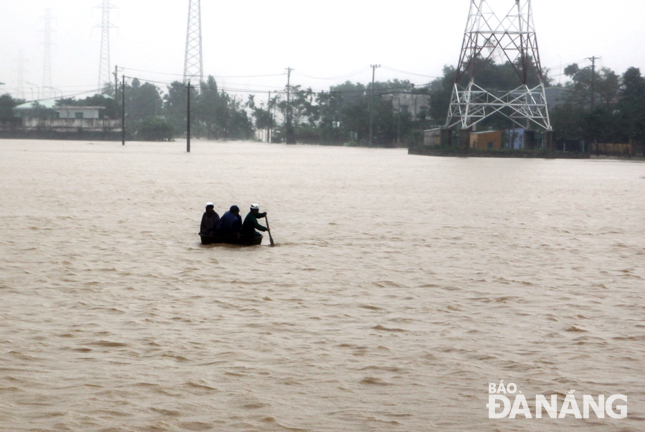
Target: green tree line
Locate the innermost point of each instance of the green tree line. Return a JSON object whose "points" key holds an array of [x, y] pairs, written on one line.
{"points": [[597, 106], [342, 114], [601, 106], [151, 114]]}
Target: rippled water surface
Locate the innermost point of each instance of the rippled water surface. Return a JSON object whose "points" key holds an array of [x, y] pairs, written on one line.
{"points": [[399, 288]]}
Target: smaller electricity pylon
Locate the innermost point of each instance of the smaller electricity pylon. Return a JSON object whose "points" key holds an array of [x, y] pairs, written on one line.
{"points": [[512, 38], [47, 65], [105, 72], [21, 74], [193, 63]]}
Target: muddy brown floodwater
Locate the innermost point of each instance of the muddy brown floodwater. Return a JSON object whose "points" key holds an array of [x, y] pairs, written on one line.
{"points": [[400, 287]]}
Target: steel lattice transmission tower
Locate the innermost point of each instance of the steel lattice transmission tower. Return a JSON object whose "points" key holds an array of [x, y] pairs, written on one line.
{"points": [[193, 64], [512, 38], [105, 75], [47, 66]]}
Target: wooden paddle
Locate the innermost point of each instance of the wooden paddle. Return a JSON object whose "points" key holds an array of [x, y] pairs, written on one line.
{"points": [[268, 228]]}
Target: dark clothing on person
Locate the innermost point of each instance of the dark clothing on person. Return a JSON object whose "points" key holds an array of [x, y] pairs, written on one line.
{"points": [[207, 240], [229, 225], [251, 224], [208, 227]]}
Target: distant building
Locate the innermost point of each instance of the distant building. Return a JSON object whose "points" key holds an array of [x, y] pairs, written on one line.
{"points": [[71, 125], [78, 112], [43, 119], [432, 137], [555, 96], [486, 140], [520, 139], [515, 138], [408, 103], [34, 109]]}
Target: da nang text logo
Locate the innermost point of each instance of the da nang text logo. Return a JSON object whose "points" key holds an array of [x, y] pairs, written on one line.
{"points": [[507, 401]]}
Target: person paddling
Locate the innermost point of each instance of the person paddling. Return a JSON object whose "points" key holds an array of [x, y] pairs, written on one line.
{"points": [[208, 227], [251, 222]]}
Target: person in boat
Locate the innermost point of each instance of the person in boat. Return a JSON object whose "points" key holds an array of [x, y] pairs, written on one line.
{"points": [[230, 224], [208, 227], [251, 223]]}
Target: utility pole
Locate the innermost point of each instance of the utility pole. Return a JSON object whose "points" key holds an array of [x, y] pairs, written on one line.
{"points": [[291, 139], [269, 112], [398, 123], [116, 91], [188, 120], [593, 93], [593, 80], [374, 66], [116, 82], [123, 112]]}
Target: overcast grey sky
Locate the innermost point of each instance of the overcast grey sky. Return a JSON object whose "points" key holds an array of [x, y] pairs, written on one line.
{"points": [[331, 39]]}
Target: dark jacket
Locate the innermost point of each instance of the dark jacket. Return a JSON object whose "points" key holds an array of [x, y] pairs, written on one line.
{"points": [[251, 224], [209, 224], [230, 224]]}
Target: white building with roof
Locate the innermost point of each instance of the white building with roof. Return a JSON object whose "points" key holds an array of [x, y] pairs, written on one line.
{"points": [[78, 112]]}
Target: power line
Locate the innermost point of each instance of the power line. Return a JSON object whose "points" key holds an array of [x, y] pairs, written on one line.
{"points": [[351, 74], [214, 76], [243, 87], [151, 81], [593, 80], [410, 73], [65, 96], [230, 89], [382, 91], [374, 67]]}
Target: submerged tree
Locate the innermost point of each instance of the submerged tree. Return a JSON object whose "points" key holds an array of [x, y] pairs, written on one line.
{"points": [[211, 110], [7, 104], [175, 107], [602, 86], [341, 115], [142, 101], [631, 105], [153, 129], [616, 114]]}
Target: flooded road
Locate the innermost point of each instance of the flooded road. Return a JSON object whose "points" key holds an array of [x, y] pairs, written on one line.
{"points": [[400, 287]]}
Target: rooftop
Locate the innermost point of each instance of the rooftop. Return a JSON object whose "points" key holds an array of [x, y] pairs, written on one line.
{"points": [[46, 103]]}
